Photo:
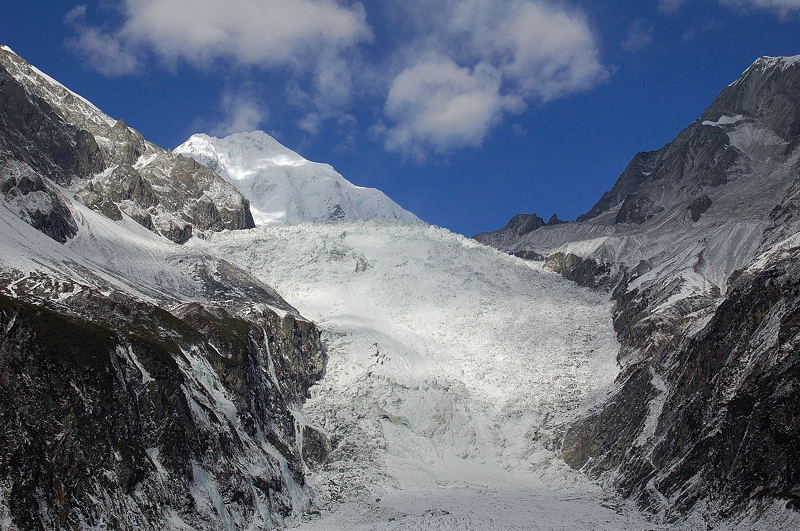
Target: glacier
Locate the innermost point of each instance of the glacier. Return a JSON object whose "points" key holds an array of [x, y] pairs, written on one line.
{"points": [[450, 375]]}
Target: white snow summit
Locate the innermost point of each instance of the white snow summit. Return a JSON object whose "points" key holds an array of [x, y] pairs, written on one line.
{"points": [[285, 188]]}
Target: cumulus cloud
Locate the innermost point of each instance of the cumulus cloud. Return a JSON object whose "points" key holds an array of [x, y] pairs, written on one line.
{"points": [[246, 31], [306, 36], [781, 8], [440, 104], [638, 37], [250, 32], [458, 67], [479, 59]]}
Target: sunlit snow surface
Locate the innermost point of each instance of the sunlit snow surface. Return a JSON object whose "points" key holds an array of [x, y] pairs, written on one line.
{"points": [[451, 367], [282, 186]]}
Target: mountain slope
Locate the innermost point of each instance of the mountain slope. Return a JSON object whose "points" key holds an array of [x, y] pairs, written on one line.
{"points": [[282, 186], [143, 384], [112, 169], [704, 318]]}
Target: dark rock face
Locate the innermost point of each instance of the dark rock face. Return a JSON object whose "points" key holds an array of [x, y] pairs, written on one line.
{"points": [[717, 409], [699, 206], [635, 209], [767, 91], [701, 157], [740, 433], [517, 226], [130, 144], [784, 219], [106, 422], [699, 421], [336, 213], [634, 175], [527, 254], [32, 132], [121, 190], [35, 202], [201, 197], [702, 419], [524, 223], [583, 271]]}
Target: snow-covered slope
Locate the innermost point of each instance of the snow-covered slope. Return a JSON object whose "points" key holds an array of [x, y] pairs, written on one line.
{"points": [[450, 372], [282, 186]]}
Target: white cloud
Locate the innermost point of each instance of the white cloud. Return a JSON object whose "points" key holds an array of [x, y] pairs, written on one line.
{"points": [[104, 53], [670, 6], [479, 60], [639, 36], [241, 112], [313, 36], [458, 67], [436, 103], [781, 8], [310, 123], [252, 32]]}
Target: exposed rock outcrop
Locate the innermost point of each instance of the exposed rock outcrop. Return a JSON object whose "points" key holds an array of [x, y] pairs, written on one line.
{"points": [[106, 164], [517, 226], [119, 414], [712, 417], [40, 205]]}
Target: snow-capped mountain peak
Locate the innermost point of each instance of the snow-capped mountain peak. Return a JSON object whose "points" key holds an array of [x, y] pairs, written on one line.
{"points": [[243, 154], [285, 188], [783, 61]]}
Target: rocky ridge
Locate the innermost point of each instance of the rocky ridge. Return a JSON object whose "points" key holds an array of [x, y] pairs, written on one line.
{"points": [[107, 165], [697, 243]]}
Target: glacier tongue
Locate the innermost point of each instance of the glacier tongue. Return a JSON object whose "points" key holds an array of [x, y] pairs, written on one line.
{"points": [[282, 186], [450, 373]]}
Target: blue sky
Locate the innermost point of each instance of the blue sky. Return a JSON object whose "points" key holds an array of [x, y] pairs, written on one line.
{"points": [[464, 112]]}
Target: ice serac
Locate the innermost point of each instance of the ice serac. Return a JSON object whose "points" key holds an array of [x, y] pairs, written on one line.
{"points": [[285, 188], [698, 243], [144, 384], [112, 168]]}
